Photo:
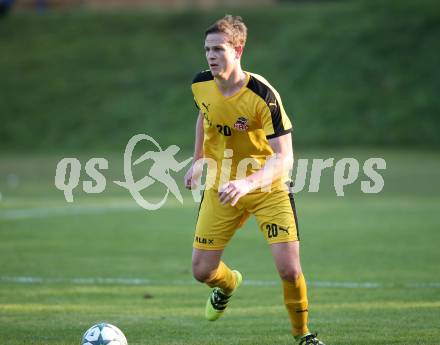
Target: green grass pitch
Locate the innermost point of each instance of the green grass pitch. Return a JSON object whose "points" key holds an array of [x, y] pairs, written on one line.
{"points": [[372, 262]]}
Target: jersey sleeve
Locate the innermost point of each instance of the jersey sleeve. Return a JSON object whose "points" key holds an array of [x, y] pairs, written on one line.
{"points": [[274, 119], [195, 97], [200, 78], [195, 103]]}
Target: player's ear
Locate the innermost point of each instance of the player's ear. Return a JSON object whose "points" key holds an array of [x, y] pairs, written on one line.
{"points": [[238, 51]]}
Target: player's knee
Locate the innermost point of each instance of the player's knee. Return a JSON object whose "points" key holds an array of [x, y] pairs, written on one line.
{"points": [[290, 274], [200, 273], [202, 276]]}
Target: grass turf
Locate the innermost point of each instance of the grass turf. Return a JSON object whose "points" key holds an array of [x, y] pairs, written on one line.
{"points": [[371, 262]]}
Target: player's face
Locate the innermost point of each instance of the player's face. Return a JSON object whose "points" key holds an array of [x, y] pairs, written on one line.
{"points": [[222, 57]]}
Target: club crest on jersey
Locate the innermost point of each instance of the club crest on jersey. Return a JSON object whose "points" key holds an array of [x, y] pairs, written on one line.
{"points": [[241, 124]]}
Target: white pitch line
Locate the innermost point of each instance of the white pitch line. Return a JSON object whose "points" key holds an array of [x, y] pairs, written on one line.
{"points": [[70, 210], [44, 212], [142, 281]]}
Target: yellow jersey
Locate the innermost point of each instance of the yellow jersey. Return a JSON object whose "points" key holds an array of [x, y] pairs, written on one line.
{"points": [[242, 123]]}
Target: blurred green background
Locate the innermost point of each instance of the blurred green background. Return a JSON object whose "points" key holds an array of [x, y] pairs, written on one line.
{"points": [[349, 73]]}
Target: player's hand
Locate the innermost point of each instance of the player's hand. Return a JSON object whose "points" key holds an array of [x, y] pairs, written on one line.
{"points": [[234, 190], [192, 176]]}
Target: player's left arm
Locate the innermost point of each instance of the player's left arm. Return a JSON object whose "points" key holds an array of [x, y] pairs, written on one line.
{"points": [[276, 166]]}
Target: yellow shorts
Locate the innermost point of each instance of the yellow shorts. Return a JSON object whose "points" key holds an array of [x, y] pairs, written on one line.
{"points": [[217, 223]]}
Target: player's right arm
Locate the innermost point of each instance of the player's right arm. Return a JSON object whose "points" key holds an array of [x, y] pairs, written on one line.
{"points": [[195, 171]]}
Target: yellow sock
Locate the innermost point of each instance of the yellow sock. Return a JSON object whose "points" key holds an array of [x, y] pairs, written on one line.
{"points": [[295, 299], [223, 278]]}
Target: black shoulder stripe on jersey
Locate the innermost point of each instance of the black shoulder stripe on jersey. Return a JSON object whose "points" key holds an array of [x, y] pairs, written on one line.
{"points": [[270, 99], [203, 76]]}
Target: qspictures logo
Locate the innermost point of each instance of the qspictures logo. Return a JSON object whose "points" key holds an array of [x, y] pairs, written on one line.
{"points": [[164, 163]]}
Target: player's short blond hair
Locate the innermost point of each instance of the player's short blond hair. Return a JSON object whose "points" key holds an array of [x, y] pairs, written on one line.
{"points": [[233, 27]]}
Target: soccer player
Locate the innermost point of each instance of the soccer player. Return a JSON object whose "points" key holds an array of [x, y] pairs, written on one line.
{"points": [[242, 124]]}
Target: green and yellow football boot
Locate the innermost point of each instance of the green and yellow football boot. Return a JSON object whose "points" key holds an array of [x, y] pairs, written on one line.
{"points": [[218, 300]]}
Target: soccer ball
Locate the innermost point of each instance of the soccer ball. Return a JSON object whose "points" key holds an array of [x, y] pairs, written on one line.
{"points": [[104, 334]]}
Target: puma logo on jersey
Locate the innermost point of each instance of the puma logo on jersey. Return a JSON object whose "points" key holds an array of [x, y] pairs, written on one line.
{"points": [[284, 229], [206, 106]]}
